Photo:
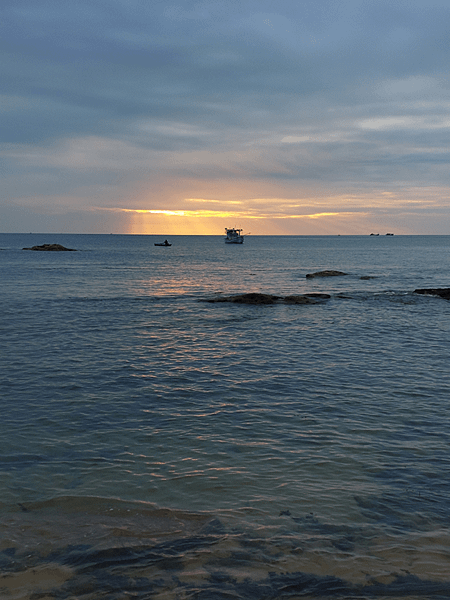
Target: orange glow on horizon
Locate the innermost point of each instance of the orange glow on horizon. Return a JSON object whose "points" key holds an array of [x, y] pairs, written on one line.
{"points": [[202, 214], [315, 212], [211, 222]]}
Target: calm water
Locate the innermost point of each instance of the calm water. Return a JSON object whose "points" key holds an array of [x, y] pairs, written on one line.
{"points": [[154, 445]]}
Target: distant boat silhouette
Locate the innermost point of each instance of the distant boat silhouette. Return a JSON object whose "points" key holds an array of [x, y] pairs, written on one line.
{"points": [[234, 236]]}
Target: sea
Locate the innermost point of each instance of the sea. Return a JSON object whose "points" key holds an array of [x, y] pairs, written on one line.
{"points": [[157, 445]]}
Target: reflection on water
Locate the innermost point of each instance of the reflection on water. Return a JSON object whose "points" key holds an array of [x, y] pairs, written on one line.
{"points": [[300, 451]]}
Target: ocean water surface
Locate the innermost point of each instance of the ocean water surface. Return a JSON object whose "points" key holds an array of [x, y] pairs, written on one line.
{"points": [[157, 445]]}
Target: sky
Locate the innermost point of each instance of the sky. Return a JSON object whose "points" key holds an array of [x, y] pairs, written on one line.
{"points": [[294, 117]]}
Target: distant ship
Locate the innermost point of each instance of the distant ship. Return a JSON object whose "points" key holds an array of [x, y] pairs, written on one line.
{"points": [[234, 236]]}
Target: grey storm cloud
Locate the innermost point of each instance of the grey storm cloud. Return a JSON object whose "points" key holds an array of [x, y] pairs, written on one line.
{"points": [[96, 66]]}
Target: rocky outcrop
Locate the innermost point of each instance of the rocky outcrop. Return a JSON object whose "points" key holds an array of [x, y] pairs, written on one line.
{"points": [[442, 292], [51, 248], [325, 274], [318, 296], [298, 300], [251, 298], [257, 298]]}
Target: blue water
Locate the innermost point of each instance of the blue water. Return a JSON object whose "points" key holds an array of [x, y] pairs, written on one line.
{"points": [[156, 445]]}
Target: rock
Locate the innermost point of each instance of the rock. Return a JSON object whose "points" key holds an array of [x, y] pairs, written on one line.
{"points": [[299, 300], [257, 298], [251, 298], [317, 295], [51, 248], [325, 274], [254, 298], [442, 292]]}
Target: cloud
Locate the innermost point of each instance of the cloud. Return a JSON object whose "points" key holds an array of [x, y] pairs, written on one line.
{"points": [[122, 102]]}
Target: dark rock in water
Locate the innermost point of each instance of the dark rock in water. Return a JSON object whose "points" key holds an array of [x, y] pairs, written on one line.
{"points": [[318, 295], [251, 298], [306, 298], [442, 292], [299, 300], [257, 298], [325, 274], [51, 248], [366, 277]]}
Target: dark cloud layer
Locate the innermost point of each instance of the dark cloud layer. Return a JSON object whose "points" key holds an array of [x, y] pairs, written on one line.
{"points": [[352, 95]]}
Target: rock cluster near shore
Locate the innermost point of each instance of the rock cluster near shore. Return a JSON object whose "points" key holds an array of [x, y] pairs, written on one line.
{"points": [[313, 298], [51, 248], [257, 298], [441, 292]]}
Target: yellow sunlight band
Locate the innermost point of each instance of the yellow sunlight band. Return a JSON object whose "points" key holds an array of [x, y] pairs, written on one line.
{"points": [[219, 214]]}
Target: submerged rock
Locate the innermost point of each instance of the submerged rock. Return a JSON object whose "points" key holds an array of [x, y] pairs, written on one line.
{"points": [[325, 274], [51, 248], [306, 298], [442, 292]]}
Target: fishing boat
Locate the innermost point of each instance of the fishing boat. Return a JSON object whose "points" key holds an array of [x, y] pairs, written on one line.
{"points": [[234, 236], [164, 243]]}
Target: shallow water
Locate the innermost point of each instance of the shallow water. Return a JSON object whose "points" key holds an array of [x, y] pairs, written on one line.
{"points": [[155, 445]]}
